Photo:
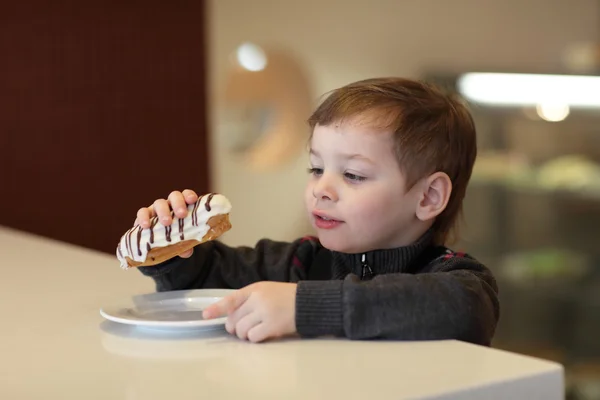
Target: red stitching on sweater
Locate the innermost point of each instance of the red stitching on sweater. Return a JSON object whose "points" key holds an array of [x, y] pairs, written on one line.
{"points": [[452, 254], [307, 239], [297, 263]]}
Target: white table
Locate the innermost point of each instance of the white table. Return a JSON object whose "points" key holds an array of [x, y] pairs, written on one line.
{"points": [[55, 345]]}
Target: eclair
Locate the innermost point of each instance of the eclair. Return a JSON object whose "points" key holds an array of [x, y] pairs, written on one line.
{"points": [[206, 219]]}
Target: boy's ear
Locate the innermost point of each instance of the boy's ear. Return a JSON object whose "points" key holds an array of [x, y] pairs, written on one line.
{"points": [[434, 196]]}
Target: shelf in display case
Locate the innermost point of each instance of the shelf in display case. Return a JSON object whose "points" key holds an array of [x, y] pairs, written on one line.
{"points": [[568, 175], [534, 188]]}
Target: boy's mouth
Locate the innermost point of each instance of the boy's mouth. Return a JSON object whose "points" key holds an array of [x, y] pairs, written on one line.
{"points": [[324, 221]]}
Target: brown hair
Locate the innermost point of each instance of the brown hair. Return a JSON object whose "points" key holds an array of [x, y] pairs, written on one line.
{"points": [[433, 131]]}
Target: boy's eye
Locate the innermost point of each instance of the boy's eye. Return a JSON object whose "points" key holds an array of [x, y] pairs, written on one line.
{"points": [[315, 171], [354, 177], [348, 175]]}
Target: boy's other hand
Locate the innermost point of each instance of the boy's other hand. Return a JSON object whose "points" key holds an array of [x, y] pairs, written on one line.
{"points": [[177, 202], [258, 312]]}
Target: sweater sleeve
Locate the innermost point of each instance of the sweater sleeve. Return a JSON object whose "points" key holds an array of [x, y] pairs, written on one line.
{"points": [[216, 265], [454, 298]]}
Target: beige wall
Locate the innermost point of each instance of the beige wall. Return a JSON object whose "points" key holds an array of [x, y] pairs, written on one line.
{"points": [[341, 41]]}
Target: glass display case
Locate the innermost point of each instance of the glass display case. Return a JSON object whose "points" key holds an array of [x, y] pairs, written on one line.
{"points": [[532, 214]]}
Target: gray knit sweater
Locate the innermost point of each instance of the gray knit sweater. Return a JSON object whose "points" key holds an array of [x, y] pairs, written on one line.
{"points": [[417, 292]]}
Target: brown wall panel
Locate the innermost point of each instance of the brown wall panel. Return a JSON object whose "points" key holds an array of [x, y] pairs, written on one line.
{"points": [[102, 109]]}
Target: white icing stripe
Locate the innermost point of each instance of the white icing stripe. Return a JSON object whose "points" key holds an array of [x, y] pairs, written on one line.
{"points": [[136, 242]]}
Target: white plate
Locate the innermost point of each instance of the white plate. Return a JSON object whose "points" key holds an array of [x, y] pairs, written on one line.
{"points": [[167, 310]]}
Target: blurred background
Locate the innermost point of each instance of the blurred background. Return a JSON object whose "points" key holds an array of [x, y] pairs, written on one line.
{"points": [[108, 105]]}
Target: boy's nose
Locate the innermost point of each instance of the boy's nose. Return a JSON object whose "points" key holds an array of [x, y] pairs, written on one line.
{"points": [[324, 189]]}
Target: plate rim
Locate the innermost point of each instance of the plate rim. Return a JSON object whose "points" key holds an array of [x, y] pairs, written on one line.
{"points": [[129, 303]]}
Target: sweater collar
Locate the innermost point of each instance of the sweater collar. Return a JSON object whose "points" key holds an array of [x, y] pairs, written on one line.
{"points": [[383, 261]]}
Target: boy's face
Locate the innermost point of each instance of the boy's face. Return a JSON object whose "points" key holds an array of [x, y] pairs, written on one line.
{"points": [[356, 197]]}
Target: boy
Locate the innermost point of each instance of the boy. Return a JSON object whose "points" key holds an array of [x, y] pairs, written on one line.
{"points": [[390, 162]]}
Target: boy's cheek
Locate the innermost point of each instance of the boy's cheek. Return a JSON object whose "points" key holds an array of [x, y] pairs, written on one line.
{"points": [[309, 199]]}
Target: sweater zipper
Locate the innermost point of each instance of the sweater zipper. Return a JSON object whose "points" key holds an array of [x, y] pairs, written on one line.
{"points": [[367, 272]]}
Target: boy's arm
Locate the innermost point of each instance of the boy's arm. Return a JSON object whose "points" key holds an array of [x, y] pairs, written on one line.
{"points": [[216, 265], [455, 299]]}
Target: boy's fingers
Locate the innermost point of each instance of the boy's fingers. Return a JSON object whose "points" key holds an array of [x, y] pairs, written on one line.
{"points": [[163, 211], [178, 204], [187, 254], [162, 208], [190, 196], [245, 324], [226, 305], [258, 333], [234, 317], [143, 217]]}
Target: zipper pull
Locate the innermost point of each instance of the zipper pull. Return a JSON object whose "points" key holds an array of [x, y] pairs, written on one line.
{"points": [[367, 272]]}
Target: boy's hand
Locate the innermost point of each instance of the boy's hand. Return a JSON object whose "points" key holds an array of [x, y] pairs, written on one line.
{"points": [[177, 201], [259, 311]]}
